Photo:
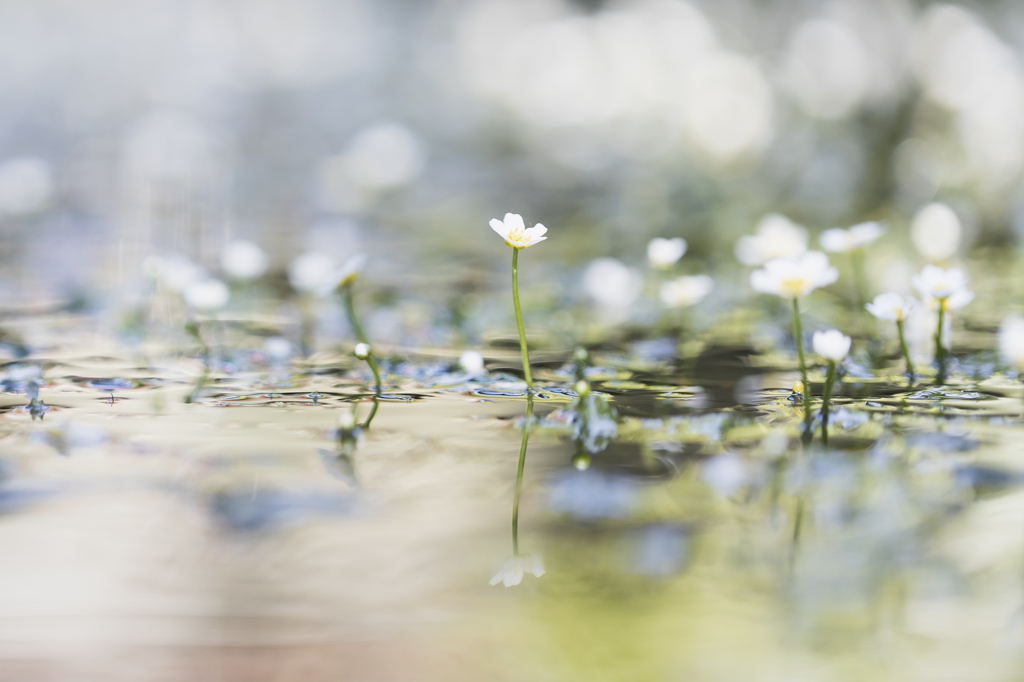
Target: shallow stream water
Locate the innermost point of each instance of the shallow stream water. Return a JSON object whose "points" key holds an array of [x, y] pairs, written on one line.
{"points": [[692, 537]]}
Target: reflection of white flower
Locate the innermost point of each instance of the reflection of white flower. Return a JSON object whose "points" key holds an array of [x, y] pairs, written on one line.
{"points": [[515, 233], [858, 237], [776, 236], [664, 253], [685, 291], [175, 272], [472, 362], [947, 288], [935, 231], [891, 307], [1011, 341], [515, 567], [789, 278], [277, 348], [833, 345], [209, 294]]}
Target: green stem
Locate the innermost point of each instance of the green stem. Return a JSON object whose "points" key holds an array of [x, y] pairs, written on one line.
{"points": [[350, 312], [859, 280], [940, 349], [798, 337], [376, 371], [829, 381], [906, 351], [519, 321], [519, 474]]}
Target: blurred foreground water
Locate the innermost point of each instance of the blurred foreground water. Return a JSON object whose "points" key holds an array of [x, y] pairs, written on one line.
{"points": [[241, 537]]}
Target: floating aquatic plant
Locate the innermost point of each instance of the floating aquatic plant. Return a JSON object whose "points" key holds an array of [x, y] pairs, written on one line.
{"points": [[833, 346], [895, 308], [944, 291]]}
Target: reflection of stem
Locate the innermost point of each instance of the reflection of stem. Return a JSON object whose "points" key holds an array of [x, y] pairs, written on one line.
{"points": [[192, 328], [519, 473], [373, 412], [798, 524], [306, 331], [940, 349], [519, 322], [906, 351], [829, 380], [798, 337]]}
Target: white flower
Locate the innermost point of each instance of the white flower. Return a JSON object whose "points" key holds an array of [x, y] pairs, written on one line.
{"points": [[685, 291], [838, 240], [611, 283], [791, 278], [309, 272], [776, 237], [935, 231], [833, 345], [243, 260], [664, 253], [208, 294], [515, 233], [945, 287], [362, 350], [1011, 341], [891, 307], [472, 362], [515, 567], [342, 276]]}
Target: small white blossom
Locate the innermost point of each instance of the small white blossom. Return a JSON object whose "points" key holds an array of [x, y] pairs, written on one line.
{"points": [[472, 362], [776, 236], [686, 291], [936, 232], [891, 307], [858, 237], [515, 233], [794, 278], [243, 260], [362, 350], [515, 567], [947, 288], [662, 254], [309, 272], [344, 275], [833, 345], [209, 294], [1011, 341]]}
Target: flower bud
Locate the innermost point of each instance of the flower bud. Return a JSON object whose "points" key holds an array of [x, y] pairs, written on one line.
{"points": [[581, 461], [582, 388], [362, 351]]}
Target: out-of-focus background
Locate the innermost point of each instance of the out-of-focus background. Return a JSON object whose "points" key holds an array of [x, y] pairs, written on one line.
{"points": [[397, 128]]}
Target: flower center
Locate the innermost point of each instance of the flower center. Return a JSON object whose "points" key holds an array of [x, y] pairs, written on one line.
{"points": [[794, 287]]}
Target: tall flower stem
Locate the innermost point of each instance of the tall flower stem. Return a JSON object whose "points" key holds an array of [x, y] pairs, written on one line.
{"points": [[906, 351], [350, 312], [519, 473], [357, 329], [940, 349], [798, 337], [859, 280], [522, 332], [829, 381]]}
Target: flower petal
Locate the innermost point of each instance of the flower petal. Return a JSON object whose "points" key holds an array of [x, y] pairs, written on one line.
{"points": [[514, 221], [499, 227]]}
